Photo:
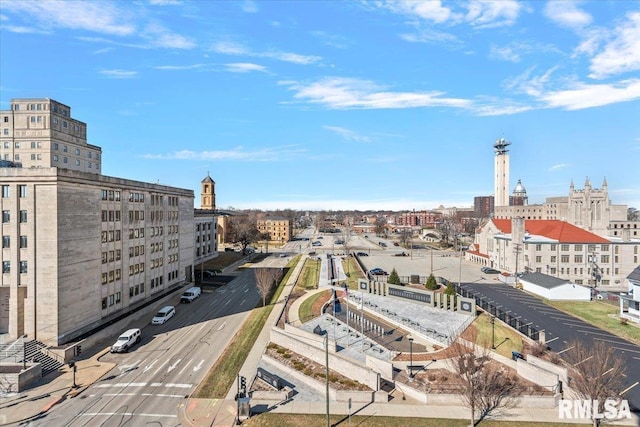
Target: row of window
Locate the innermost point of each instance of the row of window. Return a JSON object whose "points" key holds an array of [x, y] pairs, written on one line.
{"points": [[136, 197], [34, 144], [111, 236], [6, 191], [135, 233], [136, 290], [205, 250], [205, 227], [136, 216], [111, 300], [65, 160], [111, 256], [111, 195], [110, 216], [110, 276], [136, 251], [136, 268], [65, 149], [6, 267], [6, 217], [172, 200], [6, 242], [157, 262]]}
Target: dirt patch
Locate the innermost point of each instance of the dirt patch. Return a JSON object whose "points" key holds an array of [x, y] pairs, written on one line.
{"points": [[312, 369], [316, 309]]}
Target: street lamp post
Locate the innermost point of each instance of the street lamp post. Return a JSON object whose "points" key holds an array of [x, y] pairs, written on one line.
{"points": [[411, 356]]}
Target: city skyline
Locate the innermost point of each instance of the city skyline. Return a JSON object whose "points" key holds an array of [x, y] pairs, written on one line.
{"points": [[341, 106]]}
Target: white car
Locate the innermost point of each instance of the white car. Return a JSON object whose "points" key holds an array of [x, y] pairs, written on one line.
{"points": [[126, 341], [163, 315]]}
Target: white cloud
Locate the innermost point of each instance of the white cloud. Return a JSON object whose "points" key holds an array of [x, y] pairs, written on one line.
{"points": [[23, 30], [622, 53], [567, 14], [348, 134], [164, 2], [100, 17], [430, 10], [429, 35], [179, 67], [249, 6], [233, 48], [583, 95], [244, 67], [239, 154], [119, 74], [499, 108], [491, 13], [159, 36], [510, 52], [558, 166], [346, 93]]}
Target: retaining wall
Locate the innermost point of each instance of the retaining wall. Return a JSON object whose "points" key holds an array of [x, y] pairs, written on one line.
{"points": [[337, 363], [21, 380]]}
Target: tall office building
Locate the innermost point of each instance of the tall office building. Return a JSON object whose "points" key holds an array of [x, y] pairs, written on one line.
{"points": [[80, 249], [501, 170], [40, 133]]}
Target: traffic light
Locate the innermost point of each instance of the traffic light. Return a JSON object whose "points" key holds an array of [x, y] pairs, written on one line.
{"points": [[78, 350], [243, 384]]}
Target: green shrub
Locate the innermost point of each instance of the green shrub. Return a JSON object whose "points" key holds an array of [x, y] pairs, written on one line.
{"points": [[431, 284], [394, 279]]}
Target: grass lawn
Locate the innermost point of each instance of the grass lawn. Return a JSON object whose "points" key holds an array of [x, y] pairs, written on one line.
{"points": [[310, 274], [223, 374], [506, 339], [304, 420], [598, 313], [306, 308], [349, 266]]}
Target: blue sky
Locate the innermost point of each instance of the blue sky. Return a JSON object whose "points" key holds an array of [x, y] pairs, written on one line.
{"points": [[341, 105]]}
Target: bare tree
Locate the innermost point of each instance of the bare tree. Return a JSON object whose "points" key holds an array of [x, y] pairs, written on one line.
{"points": [[243, 230], [381, 225], [633, 214], [266, 278], [406, 237], [597, 372], [485, 385]]}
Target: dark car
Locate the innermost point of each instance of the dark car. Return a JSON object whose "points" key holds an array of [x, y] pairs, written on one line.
{"points": [[211, 273], [489, 270], [362, 254], [378, 272]]}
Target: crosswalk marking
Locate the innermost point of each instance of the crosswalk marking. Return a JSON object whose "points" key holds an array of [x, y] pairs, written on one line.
{"points": [[122, 385]]}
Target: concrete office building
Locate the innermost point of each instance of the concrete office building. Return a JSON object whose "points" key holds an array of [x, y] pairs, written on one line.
{"points": [[40, 133], [81, 249]]}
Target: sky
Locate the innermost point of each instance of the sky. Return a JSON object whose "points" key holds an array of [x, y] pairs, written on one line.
{"points": [[341, 105]]}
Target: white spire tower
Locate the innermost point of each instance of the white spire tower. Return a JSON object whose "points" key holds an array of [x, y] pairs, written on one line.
{"points": [[501, 193]]}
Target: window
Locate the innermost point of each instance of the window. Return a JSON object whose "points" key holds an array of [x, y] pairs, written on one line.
{"points": [[104, 303], [538, 259], [23, 267], [23, 217], [77, 162], [577, 259], [118, 297], [577, 248], [77, 151], [5, 191], [5, 216], [64, 148], [564, 259], [6, 266], [6, 242], [55, 157], [16, 145], [564, 248], [552, 248], [554, 258], [64, 160], [55, 146], [23, 242], [604, 248], [604, 259]]}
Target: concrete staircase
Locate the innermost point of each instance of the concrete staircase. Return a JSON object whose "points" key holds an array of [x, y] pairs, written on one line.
{"points": [[35, 351]]}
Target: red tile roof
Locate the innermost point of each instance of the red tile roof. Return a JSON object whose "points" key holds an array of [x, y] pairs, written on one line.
{"points": [[555, 229]]}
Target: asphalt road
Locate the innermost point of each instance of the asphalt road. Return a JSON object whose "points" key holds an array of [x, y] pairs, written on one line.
{"points": [[560, 328], [149, 384]]}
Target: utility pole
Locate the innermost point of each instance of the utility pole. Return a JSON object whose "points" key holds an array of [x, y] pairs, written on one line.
{"points": [[326, 363], [516, 248]]}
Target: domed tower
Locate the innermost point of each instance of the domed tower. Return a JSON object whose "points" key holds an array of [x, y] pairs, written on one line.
{"points": [[519, 197], [208, 195]]}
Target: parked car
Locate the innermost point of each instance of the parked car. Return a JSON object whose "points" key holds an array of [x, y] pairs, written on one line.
{"points": [[489, 270], [165, 313], [316, 243], [211, 273], [127, 340], [362, 254], [378, 272], [383, 244], [229, 250], [396, 244]]}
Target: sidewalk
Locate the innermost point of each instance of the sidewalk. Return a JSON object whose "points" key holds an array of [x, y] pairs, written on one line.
{"points": [[53, 389]]}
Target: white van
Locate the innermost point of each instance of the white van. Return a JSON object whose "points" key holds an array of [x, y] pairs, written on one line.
{"points": [[163, 315], [190, 294], [126, 341]]}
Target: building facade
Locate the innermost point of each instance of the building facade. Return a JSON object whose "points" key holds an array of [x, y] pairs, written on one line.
{"points": [[279, 230], [40, 133], [556, 248], [80, 249], [424, 219], [483, 206]]}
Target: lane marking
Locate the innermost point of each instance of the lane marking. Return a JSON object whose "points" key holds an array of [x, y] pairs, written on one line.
{"points": [[178, 396], [160, 367], [552, 339], [122, 385], [566, 349], [149, 366], [128, 414], [172, 367], [198, 366]]}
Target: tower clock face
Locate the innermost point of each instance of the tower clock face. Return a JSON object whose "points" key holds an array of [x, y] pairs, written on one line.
{"points": [[466, 306]]}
